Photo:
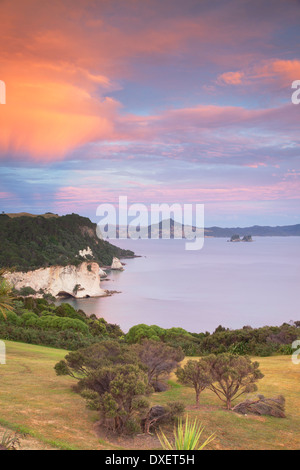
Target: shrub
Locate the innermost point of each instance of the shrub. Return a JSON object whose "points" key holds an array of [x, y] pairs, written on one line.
{"points": [[118, 382], [81, 363], [69, 339], [66, 310], [58, 323], [29, 319], [9, 317], [27, 291], [119, 389], [140, 332]]}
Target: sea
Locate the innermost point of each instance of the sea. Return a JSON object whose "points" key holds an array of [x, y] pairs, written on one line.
{"points": [[229, 284]]}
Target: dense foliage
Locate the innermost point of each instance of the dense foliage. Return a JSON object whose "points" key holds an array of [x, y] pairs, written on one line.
{"points": [[40, 322], [138, 333], [36, 321], [34, 242], [113, 380], [263, 341]]}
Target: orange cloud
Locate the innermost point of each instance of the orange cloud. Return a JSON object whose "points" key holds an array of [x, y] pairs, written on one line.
{"points": [[47, 119], [61, 60], [231, 78]]}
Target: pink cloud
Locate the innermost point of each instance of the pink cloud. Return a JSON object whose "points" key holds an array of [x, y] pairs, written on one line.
{"points": [[69, 199], [231, 78], [272, 71], [61, 63]]}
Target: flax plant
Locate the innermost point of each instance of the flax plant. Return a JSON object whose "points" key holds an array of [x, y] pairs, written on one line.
{"points": [[186, 437]]}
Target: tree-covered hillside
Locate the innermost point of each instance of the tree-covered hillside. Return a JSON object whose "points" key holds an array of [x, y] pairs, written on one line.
{"points": [[29, 243]]}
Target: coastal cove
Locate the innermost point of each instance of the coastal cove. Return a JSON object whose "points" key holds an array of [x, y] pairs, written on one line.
{"points": [[233, 284]]}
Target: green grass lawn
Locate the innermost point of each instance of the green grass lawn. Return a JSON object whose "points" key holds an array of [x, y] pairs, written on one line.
{"points": [[249, 432], [33, 399]]}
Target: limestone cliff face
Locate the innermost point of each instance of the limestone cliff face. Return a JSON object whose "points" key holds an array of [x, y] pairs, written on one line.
{"points": [[102, 273], [77, 281], [116, 264]]}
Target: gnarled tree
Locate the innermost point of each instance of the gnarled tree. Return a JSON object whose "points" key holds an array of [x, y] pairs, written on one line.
{"points": [[159, 359], [232, 376], [195, 374]]}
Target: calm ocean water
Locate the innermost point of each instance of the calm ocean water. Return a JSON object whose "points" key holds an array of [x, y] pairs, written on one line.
{"points": [[233, 284]]}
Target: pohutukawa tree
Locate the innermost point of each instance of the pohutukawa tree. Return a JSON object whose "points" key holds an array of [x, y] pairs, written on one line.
{"points": [[232, 376], [195, 374]]}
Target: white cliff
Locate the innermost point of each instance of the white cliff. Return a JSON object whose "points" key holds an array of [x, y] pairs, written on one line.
{"points": [[102, 273], [77, 281], [116, 264], [85, 253]]}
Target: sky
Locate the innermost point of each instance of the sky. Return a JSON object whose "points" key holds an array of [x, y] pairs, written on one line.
{"points": [[162, 101]]}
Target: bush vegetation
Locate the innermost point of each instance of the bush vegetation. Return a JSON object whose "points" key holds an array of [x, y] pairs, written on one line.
{"points": [[34, 242], [246, 341], [115, 379], [41, 322], [36, 321]]}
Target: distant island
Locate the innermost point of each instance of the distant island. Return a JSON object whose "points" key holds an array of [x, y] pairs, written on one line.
{"points": [[237, 238], [255, 230]]}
